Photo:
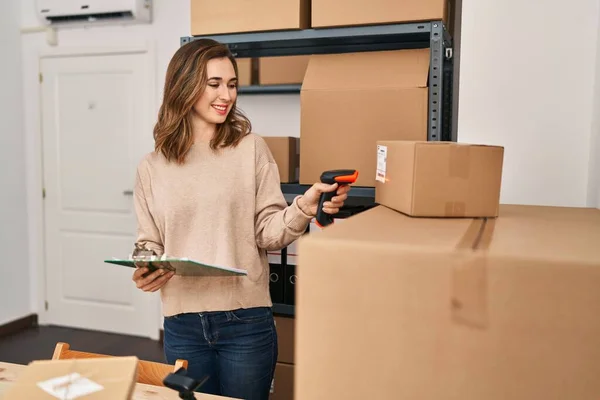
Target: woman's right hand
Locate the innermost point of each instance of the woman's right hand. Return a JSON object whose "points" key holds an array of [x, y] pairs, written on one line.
{"points": [[151, 282]]}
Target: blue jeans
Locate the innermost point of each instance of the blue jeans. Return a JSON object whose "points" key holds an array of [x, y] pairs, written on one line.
{"points": [[236, 349]]}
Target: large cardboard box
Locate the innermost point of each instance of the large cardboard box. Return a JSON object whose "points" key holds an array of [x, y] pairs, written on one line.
{"points": [[282, 69], [285, 339], [210, 17], [358, 12], [285, 150], [282, 387], [350, 101], [244, 71], [439, 179], [451, 308], [111, 378]]}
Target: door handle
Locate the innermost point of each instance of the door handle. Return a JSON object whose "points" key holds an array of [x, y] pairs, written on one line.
{"points": [[127, 192]]}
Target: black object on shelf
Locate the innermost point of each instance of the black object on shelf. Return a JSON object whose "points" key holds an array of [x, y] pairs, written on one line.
{"points": [[430, 34], [287, 310], [289, 290], [286, 286], [276, 282]]}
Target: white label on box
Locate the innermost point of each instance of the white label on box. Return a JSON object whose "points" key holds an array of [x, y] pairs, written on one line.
{"points": [[69, 387], [381, 163]]}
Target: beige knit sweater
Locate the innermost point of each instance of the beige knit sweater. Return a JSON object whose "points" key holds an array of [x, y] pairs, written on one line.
{"points": [[223, 208]]}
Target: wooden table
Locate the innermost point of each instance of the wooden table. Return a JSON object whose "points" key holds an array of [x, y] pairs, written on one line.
{"points": [[10, 372]]}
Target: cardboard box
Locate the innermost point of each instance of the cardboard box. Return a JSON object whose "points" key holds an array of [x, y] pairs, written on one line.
{"points": [[285, 150], [439, 179], [244, 71], [350, 101], [282, 387], [210, 17], [282, 70], [285, 339], [358, 12], [100, 378], [451, 309]]}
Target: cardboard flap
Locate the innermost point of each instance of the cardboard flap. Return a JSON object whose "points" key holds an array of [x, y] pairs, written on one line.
{"points": [[97, 378], [368, 70]]}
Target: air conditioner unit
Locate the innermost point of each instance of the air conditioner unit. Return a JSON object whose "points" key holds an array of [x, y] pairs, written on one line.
{"points": [[76, 12]]}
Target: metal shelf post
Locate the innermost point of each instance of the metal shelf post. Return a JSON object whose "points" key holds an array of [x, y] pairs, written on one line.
{"points": [[436, 76]]}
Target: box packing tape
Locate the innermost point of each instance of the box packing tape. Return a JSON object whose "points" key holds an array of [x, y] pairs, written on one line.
{"points": [[469, 275], [458, 167]]}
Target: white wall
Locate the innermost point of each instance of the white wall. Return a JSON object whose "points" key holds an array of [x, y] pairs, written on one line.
{"points": [[594, 170], [14, 280], [527, 82]]}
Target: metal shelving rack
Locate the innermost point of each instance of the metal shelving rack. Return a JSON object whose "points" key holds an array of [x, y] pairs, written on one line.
{"points": [[430, 34]]}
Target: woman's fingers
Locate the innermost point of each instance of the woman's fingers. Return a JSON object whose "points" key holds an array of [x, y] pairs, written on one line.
{"points": [[158, 282]]}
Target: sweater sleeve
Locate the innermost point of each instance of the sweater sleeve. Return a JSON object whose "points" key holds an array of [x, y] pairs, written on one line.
{"points": [[148, 234], [276, 224]]}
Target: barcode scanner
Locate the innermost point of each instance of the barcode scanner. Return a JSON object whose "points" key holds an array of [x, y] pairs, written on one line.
{"points": [[340, 176]]}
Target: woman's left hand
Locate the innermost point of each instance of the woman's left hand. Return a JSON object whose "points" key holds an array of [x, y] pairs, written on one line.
{"points": [[309, 201]]}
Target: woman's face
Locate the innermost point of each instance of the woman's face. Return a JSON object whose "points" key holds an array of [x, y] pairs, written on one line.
{"points": [[220, 94]]}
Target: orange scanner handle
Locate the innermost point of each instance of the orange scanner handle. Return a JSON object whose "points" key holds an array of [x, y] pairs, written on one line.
{"points": [[340, 176]]}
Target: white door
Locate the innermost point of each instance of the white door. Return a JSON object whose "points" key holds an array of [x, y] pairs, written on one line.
{"points": [[96, 110]]}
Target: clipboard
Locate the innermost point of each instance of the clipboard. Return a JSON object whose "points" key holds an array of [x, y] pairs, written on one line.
{"points": [[181, 266]]}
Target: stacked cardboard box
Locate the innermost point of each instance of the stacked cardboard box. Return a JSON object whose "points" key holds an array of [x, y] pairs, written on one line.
{"points": [[286, 152], [282, 387], [244, 71], [394, 307], [326, 13], [236, 16], [350, 101], [111, 378], [283, 290], [439, 179], [282, 70], [208, 18], [400, 303]]}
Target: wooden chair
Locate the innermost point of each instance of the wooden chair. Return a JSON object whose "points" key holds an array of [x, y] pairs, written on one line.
{"points": [[149, 372]]}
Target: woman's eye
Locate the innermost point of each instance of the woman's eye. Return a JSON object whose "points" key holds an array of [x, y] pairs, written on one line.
{"points": [[233, 86], [213, 85]]}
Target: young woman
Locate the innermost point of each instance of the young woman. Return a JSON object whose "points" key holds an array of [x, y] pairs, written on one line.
{"points": [[210, 191]]}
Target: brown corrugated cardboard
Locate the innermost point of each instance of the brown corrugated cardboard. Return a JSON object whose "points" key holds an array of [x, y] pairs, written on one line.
{"points": [[439, 179], [244, 71], [283, 383], [285, 338], [358, 12], [350, 101], [285, 150], [210, 17], [282, 70], [103, 378], [451, 309]]}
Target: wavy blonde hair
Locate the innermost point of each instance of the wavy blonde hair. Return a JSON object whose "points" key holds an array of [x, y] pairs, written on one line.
{"points": [[185, 82]]}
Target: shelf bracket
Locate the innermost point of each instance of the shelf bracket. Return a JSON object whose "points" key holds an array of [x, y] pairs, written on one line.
{"points": [[435, 81]]}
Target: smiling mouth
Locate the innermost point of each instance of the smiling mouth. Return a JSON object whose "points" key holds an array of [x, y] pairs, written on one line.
{"points": [[220, 108]]}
